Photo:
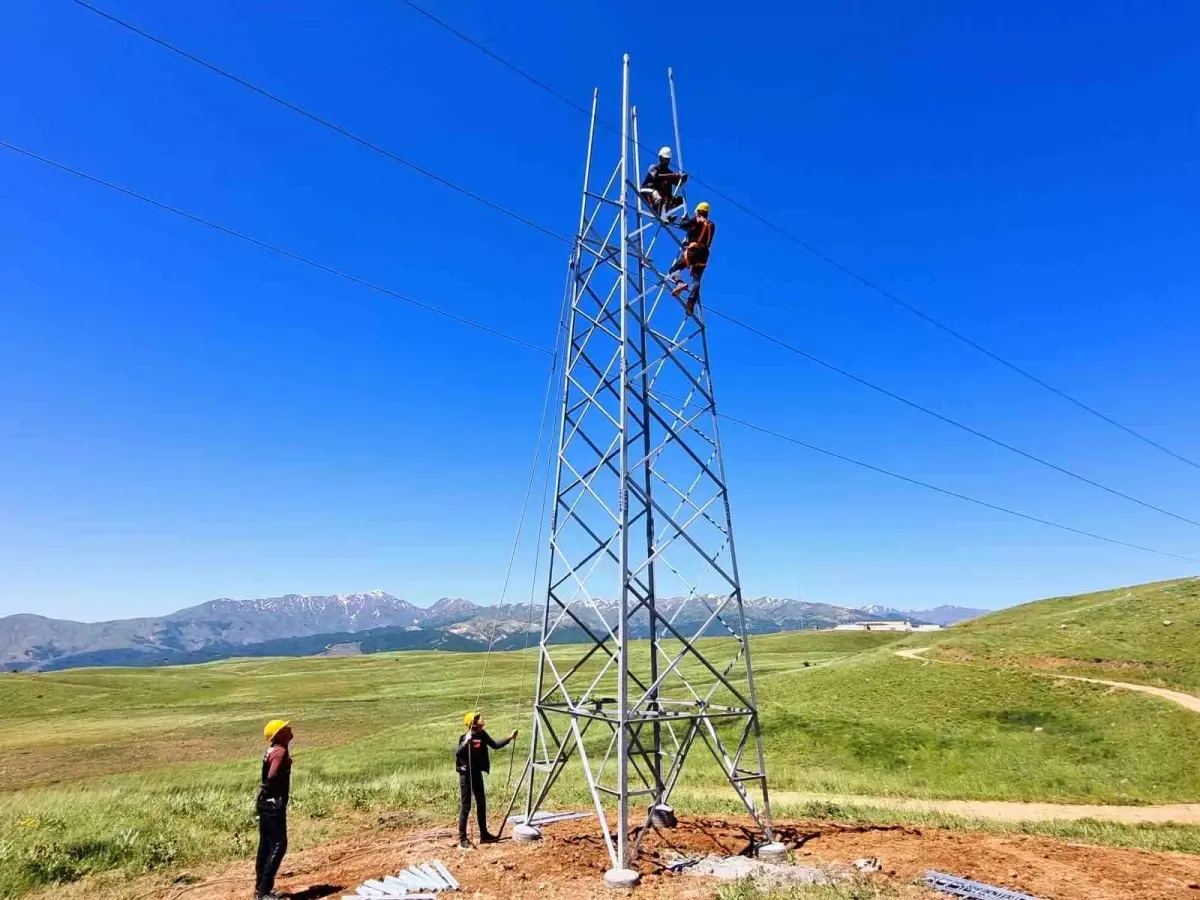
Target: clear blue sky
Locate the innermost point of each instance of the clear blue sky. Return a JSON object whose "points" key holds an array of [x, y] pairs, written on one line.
{"points": [[183, 416]]}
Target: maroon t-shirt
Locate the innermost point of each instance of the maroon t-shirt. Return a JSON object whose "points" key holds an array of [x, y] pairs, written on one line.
{"points": [[276, 773]]}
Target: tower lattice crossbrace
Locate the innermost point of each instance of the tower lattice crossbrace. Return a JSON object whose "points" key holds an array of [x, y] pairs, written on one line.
{"points": [[643, 651]]}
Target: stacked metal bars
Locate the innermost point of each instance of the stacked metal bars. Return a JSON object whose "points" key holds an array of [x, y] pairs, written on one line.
{"points": [[970, 890], [549, 818], [640, 500], [423, 882]]}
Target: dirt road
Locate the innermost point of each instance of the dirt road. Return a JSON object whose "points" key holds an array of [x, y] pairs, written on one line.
{"points": [[1180, 813], [1010, 811], [1187, 701]]}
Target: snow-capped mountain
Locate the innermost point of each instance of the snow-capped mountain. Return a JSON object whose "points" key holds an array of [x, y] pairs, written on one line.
{"points": [[31, 640], [300, 624], [452, 609]]}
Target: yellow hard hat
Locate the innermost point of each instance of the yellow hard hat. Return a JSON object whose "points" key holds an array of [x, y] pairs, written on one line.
{"points": [[469, 718], [274, 727], [702, 207]]}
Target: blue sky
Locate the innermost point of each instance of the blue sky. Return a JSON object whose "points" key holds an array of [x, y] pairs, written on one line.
{"points": [[186, 416]]}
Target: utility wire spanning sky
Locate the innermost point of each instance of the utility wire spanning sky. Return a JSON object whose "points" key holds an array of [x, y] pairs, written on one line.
{"points": [[193, 416]]}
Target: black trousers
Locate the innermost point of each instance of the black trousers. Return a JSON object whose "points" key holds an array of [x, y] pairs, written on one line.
{"points": [[469, 784], [272, 845]]}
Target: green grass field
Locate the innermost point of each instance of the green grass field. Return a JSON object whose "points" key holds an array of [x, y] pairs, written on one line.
{"points": [[1148, 633], [147, 770]]}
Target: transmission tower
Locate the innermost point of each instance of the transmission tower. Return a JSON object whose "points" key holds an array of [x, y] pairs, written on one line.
{"points": [[641, 539]]}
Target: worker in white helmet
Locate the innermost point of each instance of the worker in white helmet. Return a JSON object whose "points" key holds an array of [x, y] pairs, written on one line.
{"points": [[658, 187]]}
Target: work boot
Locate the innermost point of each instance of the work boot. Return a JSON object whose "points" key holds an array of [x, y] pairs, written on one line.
{"points": [[488, 839], [679, 288], [464, 844], [691, 306]]}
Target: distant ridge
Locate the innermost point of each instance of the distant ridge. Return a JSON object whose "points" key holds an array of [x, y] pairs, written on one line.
{"points": [[303, 624]]}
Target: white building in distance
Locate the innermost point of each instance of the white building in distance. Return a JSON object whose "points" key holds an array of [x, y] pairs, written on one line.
{"points": [[886, 625]]}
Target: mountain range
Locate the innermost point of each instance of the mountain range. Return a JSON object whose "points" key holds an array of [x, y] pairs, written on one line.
{"points": [[301, 625]]}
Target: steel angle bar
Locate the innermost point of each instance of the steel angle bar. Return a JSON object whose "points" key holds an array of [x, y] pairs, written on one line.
{"points": [[410, 881], [671, 354], [973, 890], [571, 613], [687, 650], [432, 872], [738, 787], [705, 467], [422, 878], [671, 437], [729, 578], [700, 513], [671, 348], [587, 771], [549, 818]]}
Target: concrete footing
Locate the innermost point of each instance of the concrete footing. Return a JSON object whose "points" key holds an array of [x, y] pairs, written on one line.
{"points": [[663, 816], [526, 834], [621, 879], [774, 852]]}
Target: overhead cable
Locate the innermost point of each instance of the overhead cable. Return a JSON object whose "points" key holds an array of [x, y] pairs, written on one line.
{"points": [[863, 280], [326, 123], [275, 248], [550, 352]]}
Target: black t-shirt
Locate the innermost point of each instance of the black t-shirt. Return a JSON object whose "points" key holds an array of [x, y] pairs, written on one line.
{"points": [[472, 752]]}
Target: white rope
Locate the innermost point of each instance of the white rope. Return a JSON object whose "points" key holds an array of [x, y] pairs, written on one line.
{"points": [[537, 452]]}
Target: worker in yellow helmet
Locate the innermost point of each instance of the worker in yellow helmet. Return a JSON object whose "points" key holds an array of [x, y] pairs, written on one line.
{"points": [[471, 761], [699, 231], [271, 806]]}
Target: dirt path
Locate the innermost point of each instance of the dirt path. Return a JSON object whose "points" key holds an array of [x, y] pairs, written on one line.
{"points": [[1187, 701], [1011, 811], [1180, 813]]}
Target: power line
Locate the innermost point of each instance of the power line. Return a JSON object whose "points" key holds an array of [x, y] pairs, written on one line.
{"points": [[825, 257], [496, 333], [338, 129], [532, 224], [946, 491], [274, 248], [949, 421], [325, 123]]}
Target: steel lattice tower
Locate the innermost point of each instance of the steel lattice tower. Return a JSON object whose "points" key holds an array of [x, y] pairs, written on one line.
{"points": [[641, 538]]}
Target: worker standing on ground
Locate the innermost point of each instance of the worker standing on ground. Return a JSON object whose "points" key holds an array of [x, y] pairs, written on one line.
{"points": [[271, 807], [696, 244], [658, 187], [471, 761]]}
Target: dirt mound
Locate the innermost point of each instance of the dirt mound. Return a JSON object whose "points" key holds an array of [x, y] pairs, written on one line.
{"points": [[569, 862]]}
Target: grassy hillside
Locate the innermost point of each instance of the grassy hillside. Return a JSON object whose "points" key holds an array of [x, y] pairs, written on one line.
{"points": [[1149, 633], [142, 770]]}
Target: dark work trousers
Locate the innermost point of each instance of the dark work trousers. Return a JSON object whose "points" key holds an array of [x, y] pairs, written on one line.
{"points": [[468, 784], [272, 845]]}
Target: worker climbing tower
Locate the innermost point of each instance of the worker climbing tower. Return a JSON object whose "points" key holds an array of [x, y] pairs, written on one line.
{"points": [[643, 652]]}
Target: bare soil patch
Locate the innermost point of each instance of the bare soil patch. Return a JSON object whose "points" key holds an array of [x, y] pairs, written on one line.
{"points": [[570, 860]]}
